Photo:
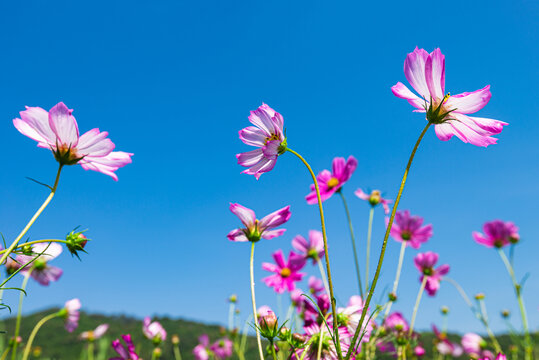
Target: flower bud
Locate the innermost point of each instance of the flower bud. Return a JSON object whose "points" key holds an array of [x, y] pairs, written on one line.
{"points": [[75, 242], [392, 297], [506, 313], [268, 322], [514, 238], [419, 351], [233, 299], [479, 296], [175, 340], [27, 250], [298, 338], [157, 353], [375, 197], [444, 310], [14, 340], [36, 351]]}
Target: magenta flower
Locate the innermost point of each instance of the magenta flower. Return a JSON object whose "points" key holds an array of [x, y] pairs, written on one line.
{"points": [[92, 335], [497, 234], [58, 130], [286, 272], [449, 114], [202, 350], [425, 262], [396, 322], [267, 135], [222, 349], [475, 346], [14, 264], [312, 248], [374, 198], [316, 286], [42, 272], [126, 352], [153, 330], [331, 182], [408, 228], [71, 314], [254, 229]]}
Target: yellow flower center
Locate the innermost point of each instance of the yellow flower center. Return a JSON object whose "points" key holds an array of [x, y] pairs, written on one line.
{"points": [[285, 272], [273, 137], [333, 182]]}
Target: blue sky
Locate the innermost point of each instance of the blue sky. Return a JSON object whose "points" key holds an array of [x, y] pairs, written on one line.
{"points": [[174, 81]]}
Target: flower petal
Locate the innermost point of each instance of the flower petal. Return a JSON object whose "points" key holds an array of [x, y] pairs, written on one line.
{"points": [[253, 136], [246, 215], [64, 125], [94, 143], [435, 74], [469, 102], [414, 70], [34, 123], [401, 91]]}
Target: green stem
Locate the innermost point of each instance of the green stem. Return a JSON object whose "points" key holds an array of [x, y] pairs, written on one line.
{"points": [[36, 242], [367, 261], [255, 316], [19, 312], [5, 353], [33, 219], [323, 275], [273, 353], [320, 342], [353, 238], [397, 276], [518, 292], [90, 350], [416, 306], [231, 316], [484, 319], [326, 253], [384, 243], [34, 332]]}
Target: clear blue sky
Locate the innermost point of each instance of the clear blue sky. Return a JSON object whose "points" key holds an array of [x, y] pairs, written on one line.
{"points": [[173, 82]]}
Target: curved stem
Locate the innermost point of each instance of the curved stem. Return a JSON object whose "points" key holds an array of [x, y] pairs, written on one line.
{"points": [[416, 306], [36, 242], [367, 260], [484, 319], [326, 253], [384, 243], [255, 316], [5, 353], [353, 238], [323, 275], [33, 219], [34, 332], [522, 308], [19, 312], [397, 277]]}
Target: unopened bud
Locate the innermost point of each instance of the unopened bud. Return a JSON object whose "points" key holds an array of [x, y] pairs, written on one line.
{"points": [[36, 351], [268, 322], [419, 351], [514, 238], [444, 310], [300, 339], [157, 353], [392, 297], [479, 296], [233, 298], [175, 339], [505, 313]]}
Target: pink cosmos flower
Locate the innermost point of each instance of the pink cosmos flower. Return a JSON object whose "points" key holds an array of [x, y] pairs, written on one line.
{"points": [[331, 182], [153, 330], [449, 114], [497, 234], [222, 349], [419, 351], [374, 198], [329, 352], [267, 135], [92, 335], [126, 352], [396, 322], [201, 351], [14, 264], [286, 272], [58, 130], [42, 272], [256, 229], [350, 315], [311, 249], [71, 314], [425, 262], [316, 286], [448, 348], [408, 228], [500, 356], [475, 345]]}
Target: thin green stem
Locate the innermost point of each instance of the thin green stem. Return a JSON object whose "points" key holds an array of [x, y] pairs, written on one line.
{"points": [[522, 308], [33, 219], [368, 259], [384, 243], [34, 332], [320, 342], [19, 312], [416, 306], [231, 310], [484, 319], [273, 353], [326, 253], [353, 238], [323, 275], [90, 350], [397, 276], [255, 316], [36, 242], [5, 353], [243, 343]]}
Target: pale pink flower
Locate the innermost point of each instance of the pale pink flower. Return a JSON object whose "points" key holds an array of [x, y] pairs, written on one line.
{"points": [[331, 182], [316, 285], [153, 330], [374, 198], [350, 315], [312, 248], [201, 351], [425, 262], [475, 345], [449, 114], [126, 352], [256, 229], [497, 234], [42, 272], [395, 321], [222, 349], [286, 273], [58, 131], [409, 229], [268, 136], [92, 335], [71, 314], [329, 352]]}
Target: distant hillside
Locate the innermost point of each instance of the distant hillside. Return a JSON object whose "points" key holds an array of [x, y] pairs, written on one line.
{"points": [[58, 344]]}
